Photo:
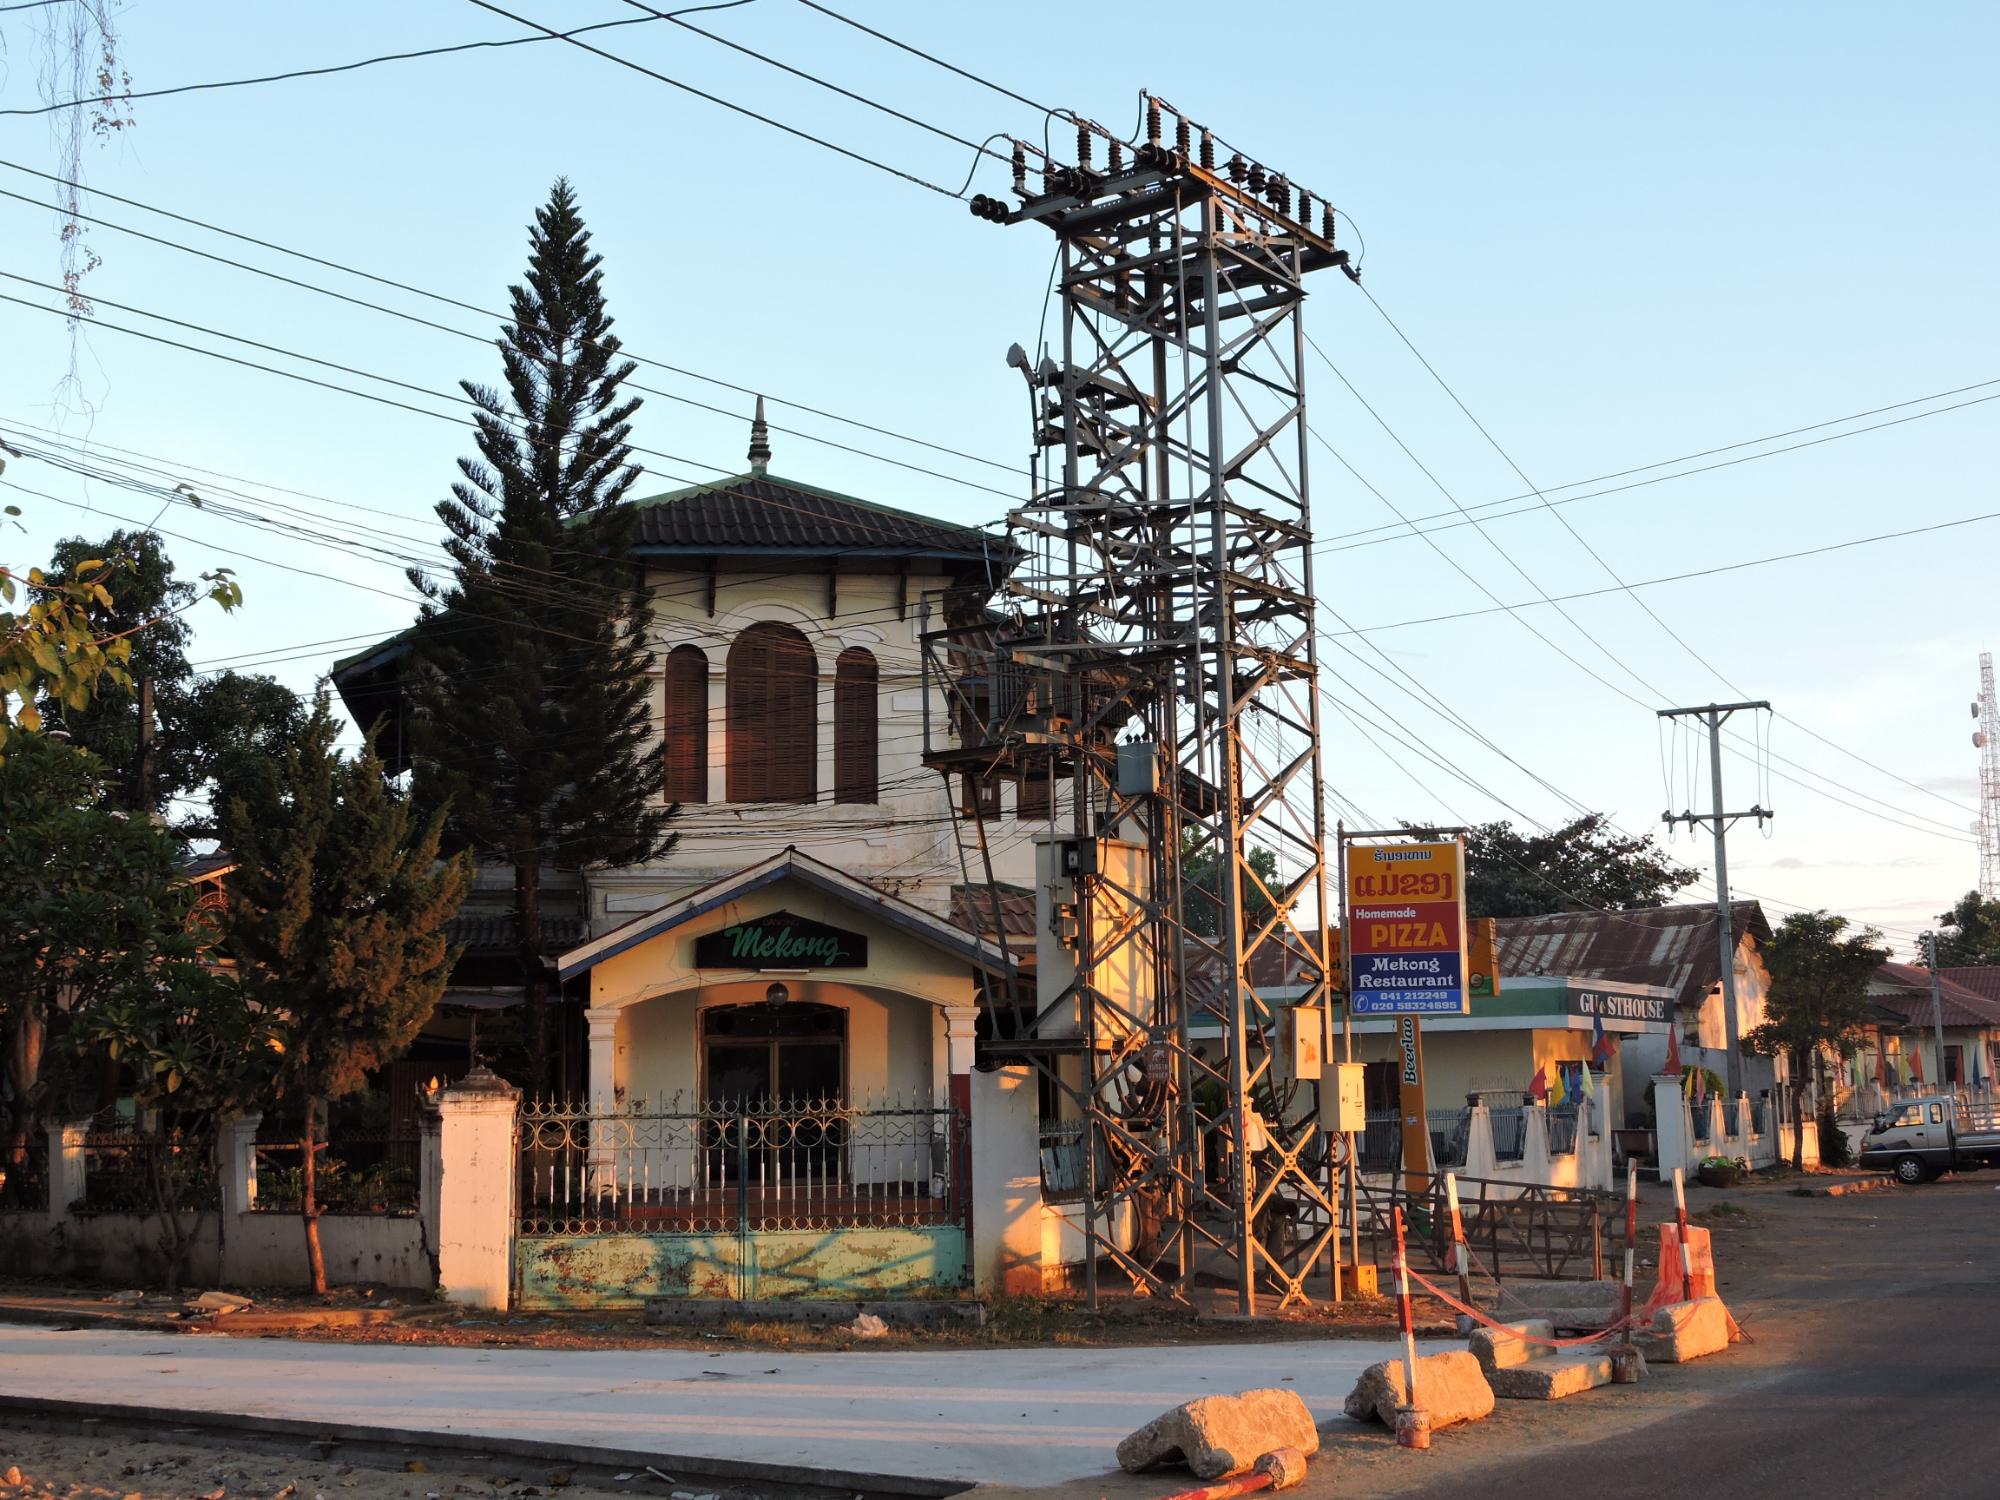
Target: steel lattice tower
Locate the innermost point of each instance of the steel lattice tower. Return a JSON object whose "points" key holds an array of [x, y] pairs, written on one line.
{"points": [[1159, 669], [1987, 738]]}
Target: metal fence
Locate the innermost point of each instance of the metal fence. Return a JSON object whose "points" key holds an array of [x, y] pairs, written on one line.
{"points": [[720, 1167], [1451, 1130], [1698, 1120], [1537, 1233], [133, 1171], [354, 1174], [1381, 1143], [1510, 1132], [1061, 1148], [1562, 1130]]}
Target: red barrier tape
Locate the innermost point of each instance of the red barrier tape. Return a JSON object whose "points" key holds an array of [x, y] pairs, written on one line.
{"points": [[1527, 1338]]}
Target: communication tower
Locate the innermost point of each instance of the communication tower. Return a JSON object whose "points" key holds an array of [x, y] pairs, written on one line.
{"points": [[1987, 737], [1155, 677]]}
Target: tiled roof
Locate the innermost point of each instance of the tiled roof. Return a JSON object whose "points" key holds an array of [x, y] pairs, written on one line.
{"points": [[487, 933], [765, 513], [1670, 946], [1906, 990], [1981, 980], [972, 909]]}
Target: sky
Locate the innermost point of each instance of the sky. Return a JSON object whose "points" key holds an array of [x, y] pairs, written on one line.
{"points": [[1620, 234]]}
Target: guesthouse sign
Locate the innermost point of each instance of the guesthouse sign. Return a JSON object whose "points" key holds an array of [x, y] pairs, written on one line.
{"points": [[780, 940]]}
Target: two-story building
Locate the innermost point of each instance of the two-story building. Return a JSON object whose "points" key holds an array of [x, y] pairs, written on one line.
{"points": [[813, 932]]}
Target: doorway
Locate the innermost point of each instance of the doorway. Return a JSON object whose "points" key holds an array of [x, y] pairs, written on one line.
{"points": [[774, 1091]]}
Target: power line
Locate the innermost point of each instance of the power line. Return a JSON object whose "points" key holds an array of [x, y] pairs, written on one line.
{"points": [[1399, 531], [348, 67], [688, 88], [883, 36], [448, 301]]}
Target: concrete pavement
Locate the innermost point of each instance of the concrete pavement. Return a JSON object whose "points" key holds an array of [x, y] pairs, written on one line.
{"points": [[1004, 1416]]}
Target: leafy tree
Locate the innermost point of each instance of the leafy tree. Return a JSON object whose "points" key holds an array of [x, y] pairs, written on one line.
{"points": [[1818, 998], [543, 763], [336, 914], [1583, 863], [201, 721], [1967, 936], [1201, 880], [197, 1051], [89, 900]]}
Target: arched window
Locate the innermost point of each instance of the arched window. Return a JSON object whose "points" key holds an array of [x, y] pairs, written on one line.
{"points": [[684, 725], [773, 692], [856, 716]]}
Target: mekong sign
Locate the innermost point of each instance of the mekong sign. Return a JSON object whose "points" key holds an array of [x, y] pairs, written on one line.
{"points": [[1406, 930]]}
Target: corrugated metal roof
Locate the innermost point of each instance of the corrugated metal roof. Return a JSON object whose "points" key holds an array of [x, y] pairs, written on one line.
{"points": [[763, 512], [1983, 980], [1670, 946], [1906, 990]]}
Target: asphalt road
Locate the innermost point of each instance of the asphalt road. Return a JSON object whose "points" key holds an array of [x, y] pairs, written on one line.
{"points": [[1875, 1370]]}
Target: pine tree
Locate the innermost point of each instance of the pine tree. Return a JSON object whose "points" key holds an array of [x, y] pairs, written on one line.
{"points": [[337, 913], [530, 701]]}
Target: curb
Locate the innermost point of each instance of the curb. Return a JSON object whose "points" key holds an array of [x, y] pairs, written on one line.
{"points": [[806, 1481], [251, 1320]]}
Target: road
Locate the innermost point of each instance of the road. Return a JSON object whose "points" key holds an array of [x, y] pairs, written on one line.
{"points": [[1875, 1323]]}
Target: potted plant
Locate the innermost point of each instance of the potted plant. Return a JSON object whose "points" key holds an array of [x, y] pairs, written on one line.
{"points": [[1721, 1171]]}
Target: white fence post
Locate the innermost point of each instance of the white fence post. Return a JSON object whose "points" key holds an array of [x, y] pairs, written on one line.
{"points": [[236, 1148], [1676, 1146], [1005, 1130], [476, 1188], [1480, 1160], [67, 1171]]}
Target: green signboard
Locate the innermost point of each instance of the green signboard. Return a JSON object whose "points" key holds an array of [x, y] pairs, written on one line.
{"points": [[781, 941]]}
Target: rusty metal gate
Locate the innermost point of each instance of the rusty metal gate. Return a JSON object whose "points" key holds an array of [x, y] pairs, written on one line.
{"points": [[811, 1198]]}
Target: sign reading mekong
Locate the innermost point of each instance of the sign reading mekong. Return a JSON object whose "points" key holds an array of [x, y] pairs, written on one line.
{"points": [[1406, 929]]}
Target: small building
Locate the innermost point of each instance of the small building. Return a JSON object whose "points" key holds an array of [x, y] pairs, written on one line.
{"points": [[1669, 948], [1901, 1050]]}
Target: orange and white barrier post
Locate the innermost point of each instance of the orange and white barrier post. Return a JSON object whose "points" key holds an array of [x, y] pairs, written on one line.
{"points": [[1460, 1254], [1681, 1226], [1413, 1425]]}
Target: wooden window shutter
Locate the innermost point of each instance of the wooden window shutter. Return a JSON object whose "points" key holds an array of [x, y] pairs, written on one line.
{"points": [[773, 716], [684, 725], [856, 721]]}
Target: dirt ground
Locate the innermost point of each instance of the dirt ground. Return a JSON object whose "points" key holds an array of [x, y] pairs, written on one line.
{"points": [[54, 1466]]}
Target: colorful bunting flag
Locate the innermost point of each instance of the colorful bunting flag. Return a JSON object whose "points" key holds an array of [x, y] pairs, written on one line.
{"points": [[1916, 1065], [1674, 1050], [1538, 1087], [1559, 1092], [1601, 1045], [1589, 1088], [1700, 1086]]}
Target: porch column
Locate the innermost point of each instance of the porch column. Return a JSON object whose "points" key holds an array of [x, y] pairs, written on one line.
{"points": [[958, 1022], [603, 1095]]}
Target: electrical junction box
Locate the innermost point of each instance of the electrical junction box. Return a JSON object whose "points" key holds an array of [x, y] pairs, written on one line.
{"points": [[1302, 1039], [1343, 1099]]}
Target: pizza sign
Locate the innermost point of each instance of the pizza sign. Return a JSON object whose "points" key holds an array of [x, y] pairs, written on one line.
{"points": [[1406, 930]]}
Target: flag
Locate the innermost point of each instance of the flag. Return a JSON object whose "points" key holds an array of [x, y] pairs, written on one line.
{"points": [[1916, 1065], [1673, 1050], [1559, 1092], [1589, 1088], [1700, 1086], [1538, 1087], [1601, 1046]]}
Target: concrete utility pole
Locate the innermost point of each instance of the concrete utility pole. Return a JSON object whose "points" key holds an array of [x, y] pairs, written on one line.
{"points": [[1937, 1012], [1716, 715]]}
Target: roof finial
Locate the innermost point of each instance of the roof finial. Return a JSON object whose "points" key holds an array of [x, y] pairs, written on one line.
{"points": [[760, 442]]}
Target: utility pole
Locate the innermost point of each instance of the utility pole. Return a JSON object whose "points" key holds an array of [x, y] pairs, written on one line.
{"points": [[144, 794], [1715, 715], [1937, 1012]]}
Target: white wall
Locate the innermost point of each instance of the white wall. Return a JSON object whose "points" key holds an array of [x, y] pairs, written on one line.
{"points": [[903, 843]]}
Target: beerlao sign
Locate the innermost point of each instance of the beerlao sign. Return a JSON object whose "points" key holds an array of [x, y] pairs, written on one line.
{"points": [[1406, 930]]}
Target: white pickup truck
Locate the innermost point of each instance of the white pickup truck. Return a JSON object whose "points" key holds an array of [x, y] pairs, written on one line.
{"points": [[1919, 1139]]}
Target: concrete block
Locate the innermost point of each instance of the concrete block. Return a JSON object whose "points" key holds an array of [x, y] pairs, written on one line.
{"points": [[1689, 1330], [1498, 1348], [1551, 1378], [1450, 1387], [1217, 1436]]}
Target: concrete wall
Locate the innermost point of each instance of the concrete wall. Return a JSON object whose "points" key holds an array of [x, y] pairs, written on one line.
{"points": [[237, 1250]]}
